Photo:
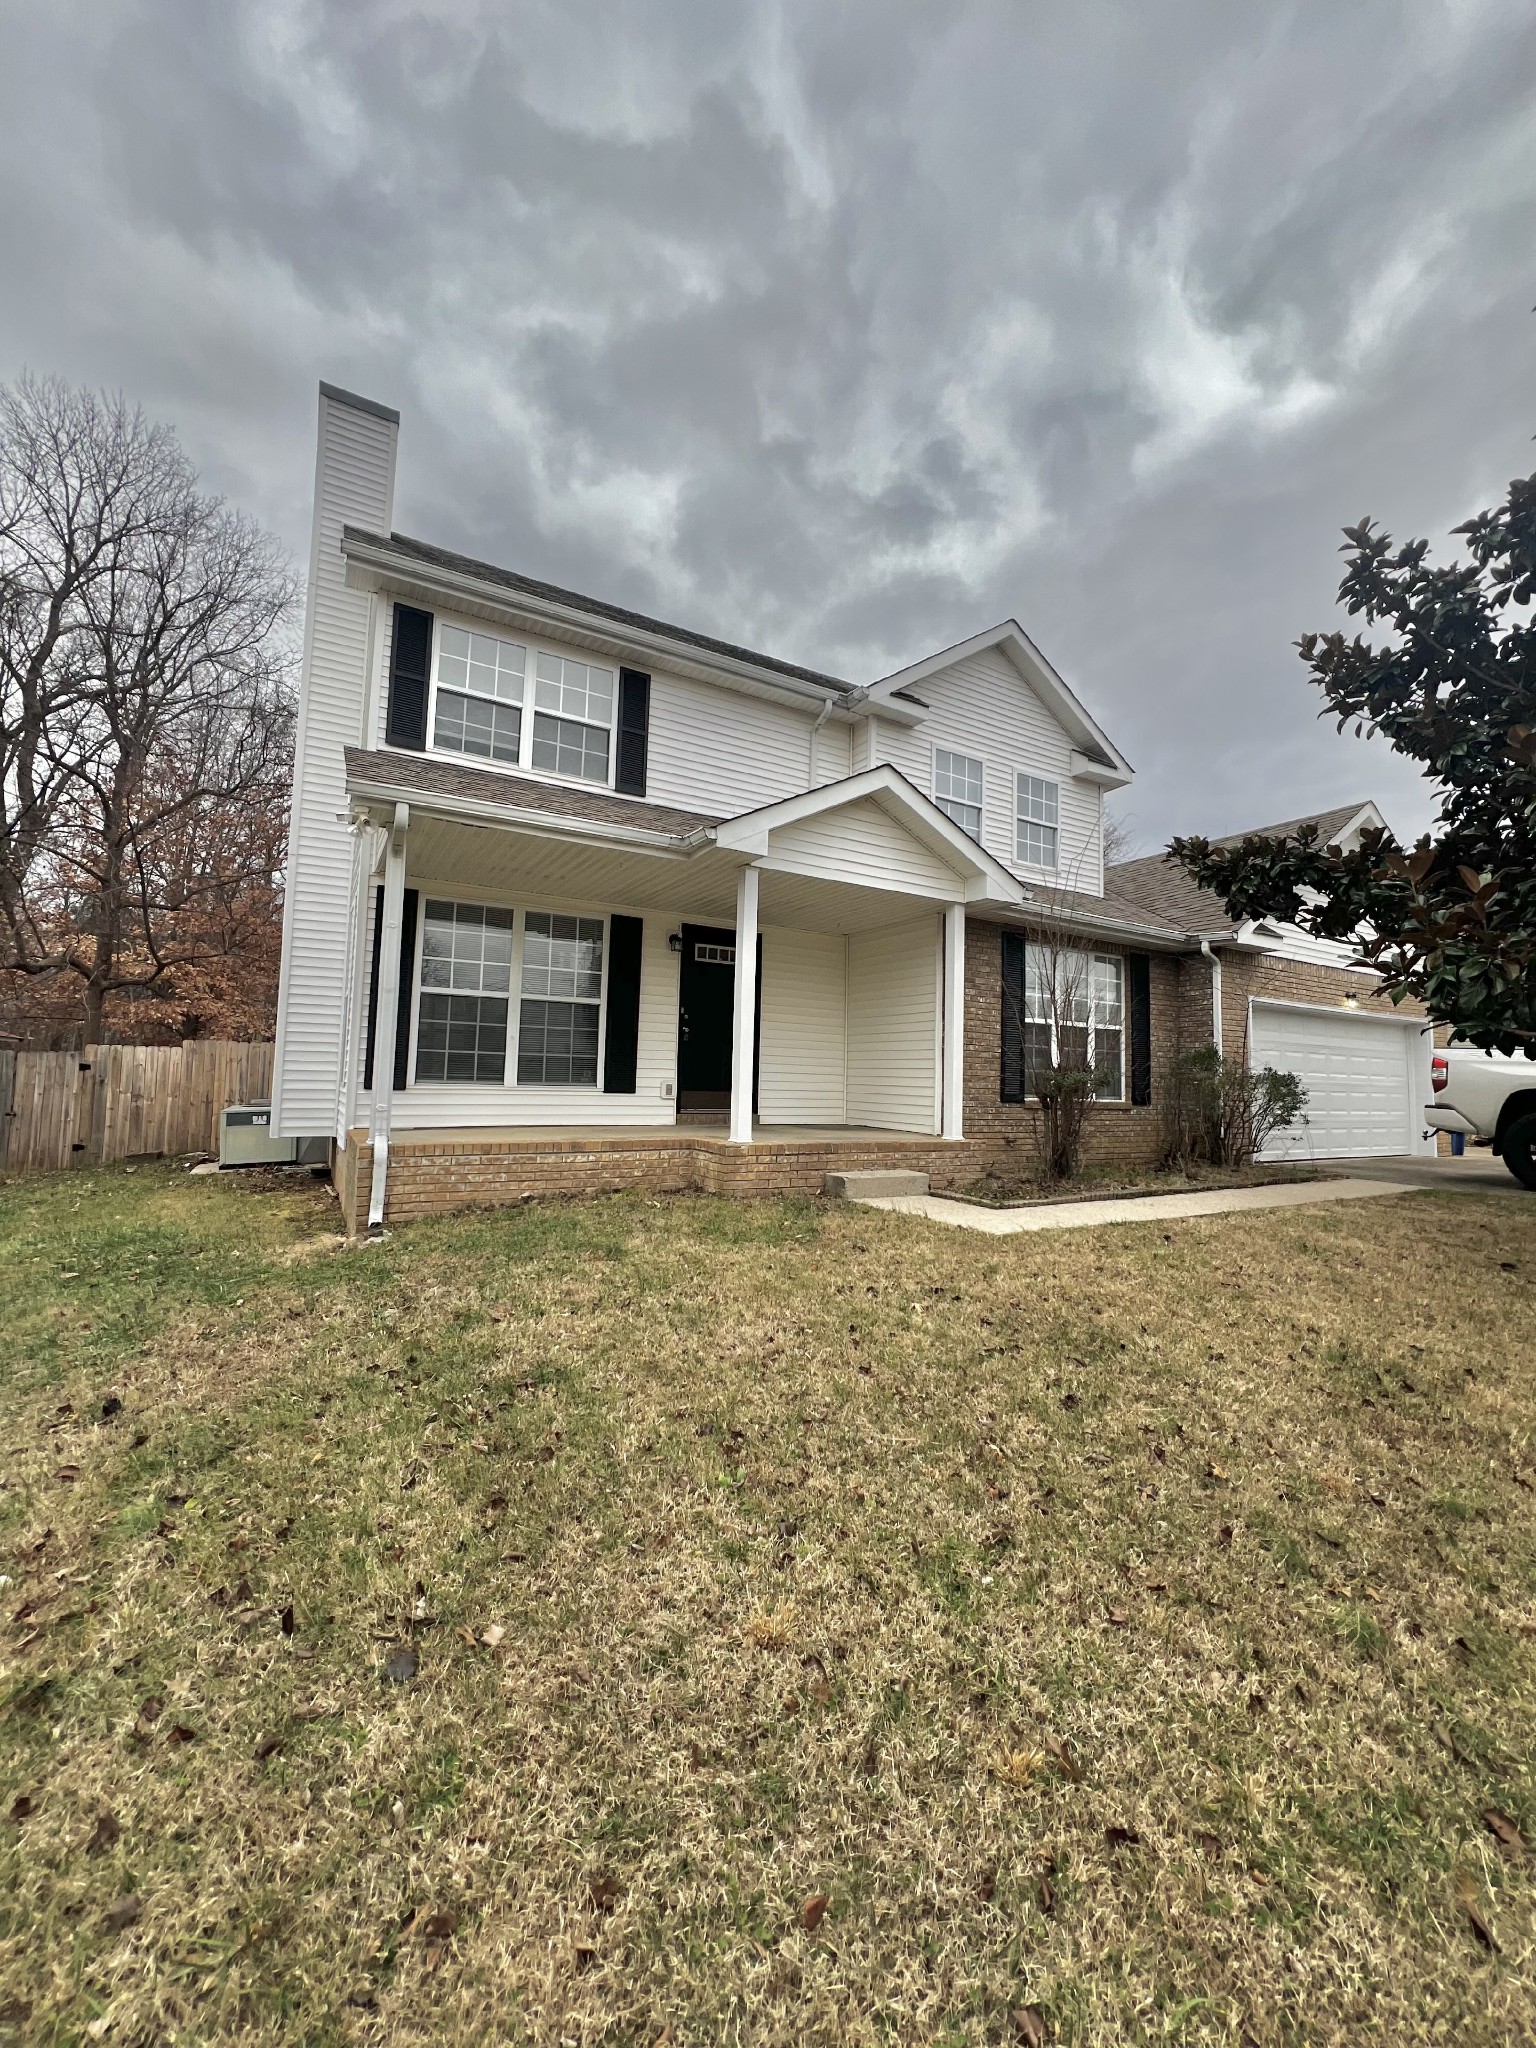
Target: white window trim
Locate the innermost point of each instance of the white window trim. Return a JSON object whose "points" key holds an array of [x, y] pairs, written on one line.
{"points": [[1035, 866], [1124, 1026], [936, 748], [491, 900], [523, 765]]}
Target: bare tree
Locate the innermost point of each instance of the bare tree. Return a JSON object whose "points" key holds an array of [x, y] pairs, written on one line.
{"points": [[145, 702]]}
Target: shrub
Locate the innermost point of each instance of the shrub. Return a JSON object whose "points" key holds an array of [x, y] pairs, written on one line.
{"points": [[1220, 1113]]}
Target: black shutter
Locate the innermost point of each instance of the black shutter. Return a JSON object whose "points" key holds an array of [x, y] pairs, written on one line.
{"points": [[634, 731], [1012, 1075], [1139, 971], [407, 980], [621, 1041], [407, 988], [410, 661]]}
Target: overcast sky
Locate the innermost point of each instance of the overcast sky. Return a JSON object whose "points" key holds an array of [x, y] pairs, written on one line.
{"points": [[842, 330]]}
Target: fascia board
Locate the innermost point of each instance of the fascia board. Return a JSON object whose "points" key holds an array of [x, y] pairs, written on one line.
{"points": [[371, 568], [1011, 639]]}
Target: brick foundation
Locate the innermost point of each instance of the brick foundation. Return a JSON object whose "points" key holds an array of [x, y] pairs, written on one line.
{"points": [[427, 1176]]}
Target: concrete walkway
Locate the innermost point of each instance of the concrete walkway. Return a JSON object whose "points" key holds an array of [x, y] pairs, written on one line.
{"points": [[1135, 1209]]}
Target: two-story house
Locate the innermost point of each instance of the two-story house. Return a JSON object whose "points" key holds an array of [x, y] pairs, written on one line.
{"points": [[578, 899]]}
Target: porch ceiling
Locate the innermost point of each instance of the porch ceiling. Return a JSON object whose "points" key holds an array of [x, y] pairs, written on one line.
{"points": [[535, 869]]}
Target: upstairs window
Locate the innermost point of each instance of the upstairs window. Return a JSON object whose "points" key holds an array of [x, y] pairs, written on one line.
{"points": [[957, 780], [572, 718], [1038, 822], [480, 682], [466, 980], [562, 996]]}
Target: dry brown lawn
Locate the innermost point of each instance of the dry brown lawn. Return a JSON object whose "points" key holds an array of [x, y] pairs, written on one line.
{"points": [[825, 1627]]}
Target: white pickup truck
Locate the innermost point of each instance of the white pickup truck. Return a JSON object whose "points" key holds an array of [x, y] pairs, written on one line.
{"points": [[1489, 1097]]}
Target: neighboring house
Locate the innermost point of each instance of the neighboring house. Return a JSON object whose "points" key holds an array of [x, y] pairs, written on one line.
{"points": [[1277, 997], [577, 899]]}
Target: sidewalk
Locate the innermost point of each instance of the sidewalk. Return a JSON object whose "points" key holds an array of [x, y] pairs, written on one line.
{"points": [[1136, 1209]]}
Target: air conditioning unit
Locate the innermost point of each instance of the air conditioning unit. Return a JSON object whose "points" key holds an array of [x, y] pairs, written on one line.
{"points": [[246, 1137]]}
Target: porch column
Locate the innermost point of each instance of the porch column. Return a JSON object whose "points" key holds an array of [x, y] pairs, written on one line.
{"points": [[953, 1125], [386, 1011], [744, 1027]]}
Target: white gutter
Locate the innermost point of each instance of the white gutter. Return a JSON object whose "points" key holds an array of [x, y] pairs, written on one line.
{"points": [[1215, 959], [431, 576]]}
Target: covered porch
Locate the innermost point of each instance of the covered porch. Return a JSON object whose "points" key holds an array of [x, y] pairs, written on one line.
{"points": [[784, 985]]}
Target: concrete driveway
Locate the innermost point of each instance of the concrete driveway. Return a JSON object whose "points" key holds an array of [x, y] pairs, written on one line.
{"points": [[1478, 1173]]}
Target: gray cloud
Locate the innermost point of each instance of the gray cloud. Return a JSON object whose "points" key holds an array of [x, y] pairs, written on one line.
{"points": [[845, 331]]}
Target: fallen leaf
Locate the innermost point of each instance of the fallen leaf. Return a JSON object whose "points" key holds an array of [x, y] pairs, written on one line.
{"points": [[1475, 1920], [1118, 1617], [1503, 1829], [67, 1474], [181, 1733], [402, 1665], [268, 1746], [1047, 1893], [21, 1806], [986, 1885], [105, 1834], [605, 1892], [811, 1910], [122, 1912], [493, 1636], [1029, 2025], [110, 1407], [1224, 1535], [1065, 1761], [1118, 1837], [438, 1926], [152, 1708], [1210, 1843], [286, 1622]]}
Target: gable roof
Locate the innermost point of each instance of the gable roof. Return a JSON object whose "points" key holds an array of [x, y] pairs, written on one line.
{"points": [[898, 798], [1331, 825], [1169, 891], [1009, 638], [399, 551]]}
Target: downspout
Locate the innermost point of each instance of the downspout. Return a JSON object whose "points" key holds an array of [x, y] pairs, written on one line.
{"points": [[850, 700], [385, 1025], [1215, 959]]}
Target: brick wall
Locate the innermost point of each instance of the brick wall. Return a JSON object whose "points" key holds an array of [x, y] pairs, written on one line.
{"points": [[1247, 975]]}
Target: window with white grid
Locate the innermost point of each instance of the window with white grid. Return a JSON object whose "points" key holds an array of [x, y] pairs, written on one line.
{"points": [[957, 780], [572, 718], [466, 981], [480, 682], [1074, 1018], [562, 987], [1038, 822]]}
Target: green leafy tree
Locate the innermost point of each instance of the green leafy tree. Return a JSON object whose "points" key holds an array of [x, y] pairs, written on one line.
{"points": [[1451, 921]]}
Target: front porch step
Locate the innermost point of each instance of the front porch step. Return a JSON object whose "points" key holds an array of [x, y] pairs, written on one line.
{"points": [[858, 1187]]}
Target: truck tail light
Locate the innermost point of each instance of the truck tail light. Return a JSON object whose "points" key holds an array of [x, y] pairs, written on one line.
{"points": [[1439, 1071]]}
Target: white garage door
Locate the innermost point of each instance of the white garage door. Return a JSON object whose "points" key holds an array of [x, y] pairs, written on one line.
{"points": [[1355, 1069]]}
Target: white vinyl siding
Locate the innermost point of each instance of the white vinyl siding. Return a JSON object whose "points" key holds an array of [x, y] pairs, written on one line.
{"points": [[894, 1026], [862, 843], [354, 485], [721, 752], [804, 1028], [982, 706]]}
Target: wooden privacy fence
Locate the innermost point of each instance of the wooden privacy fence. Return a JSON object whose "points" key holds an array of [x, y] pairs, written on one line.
{"points": [[122, 1101]]}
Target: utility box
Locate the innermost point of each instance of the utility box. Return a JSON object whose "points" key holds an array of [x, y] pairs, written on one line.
{"points": [[246, 1137]]}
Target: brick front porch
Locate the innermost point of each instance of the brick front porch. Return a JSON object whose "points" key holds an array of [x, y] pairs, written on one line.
{"points": [[434, 1171]]}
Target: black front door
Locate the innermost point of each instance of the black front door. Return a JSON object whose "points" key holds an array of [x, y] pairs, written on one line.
{"points": [[706, 1010]]}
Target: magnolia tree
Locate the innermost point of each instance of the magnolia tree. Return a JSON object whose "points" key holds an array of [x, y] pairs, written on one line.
{"points": [[1451, 921], [145, 714]]}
